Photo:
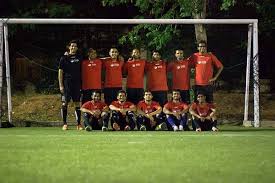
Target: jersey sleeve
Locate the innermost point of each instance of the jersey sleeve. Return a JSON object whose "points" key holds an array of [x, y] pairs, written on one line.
{"points": [[61, 63], [217, 63], [86, 105], [194, 106]]}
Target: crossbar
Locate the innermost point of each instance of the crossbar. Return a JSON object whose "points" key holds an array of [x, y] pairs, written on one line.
{"points": [[125, 21]]}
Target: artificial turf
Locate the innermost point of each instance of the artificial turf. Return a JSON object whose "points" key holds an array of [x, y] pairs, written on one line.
{"points": [[235, 154]]}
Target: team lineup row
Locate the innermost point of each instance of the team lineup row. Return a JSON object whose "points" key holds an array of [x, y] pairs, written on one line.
{"points": [[77, 74], [147, 114]]}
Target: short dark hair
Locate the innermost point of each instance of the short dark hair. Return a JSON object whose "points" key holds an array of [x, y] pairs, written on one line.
{"points": [[176, 90], [147, 91], [121, 91], [73, 41], [96, 92], [202, 42], [201, 93]]}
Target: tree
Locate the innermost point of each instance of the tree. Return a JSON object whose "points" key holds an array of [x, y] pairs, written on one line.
{"points": [[157, 36]]}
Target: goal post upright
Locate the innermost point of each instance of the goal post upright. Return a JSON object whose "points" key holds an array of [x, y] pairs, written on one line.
{"points": [[253, 31], [256, 82], [1, 68], [247, 80]]}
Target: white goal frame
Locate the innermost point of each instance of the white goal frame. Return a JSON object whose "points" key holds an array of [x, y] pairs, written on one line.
{"points": [[252, 35]]}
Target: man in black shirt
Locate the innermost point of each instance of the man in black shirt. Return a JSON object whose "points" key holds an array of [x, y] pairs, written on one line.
{"points": [[69, 77]]}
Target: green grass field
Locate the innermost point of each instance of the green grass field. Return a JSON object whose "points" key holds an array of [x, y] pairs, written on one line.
{"points": [[234, 154]]}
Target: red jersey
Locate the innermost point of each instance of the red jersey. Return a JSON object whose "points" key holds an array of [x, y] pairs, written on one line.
{"points": [[135, 71], [204, 67], [157, 79], [91, 74], [91, 105], [202, 110], [148, 108], [176, 107], [181, 74], [124, 105], [113, 73]]}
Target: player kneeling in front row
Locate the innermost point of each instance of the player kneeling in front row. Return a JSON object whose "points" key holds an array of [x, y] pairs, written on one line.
{"points": [[149, 114], [203, 114], [95, 113], [122, 109], [176, 112]]}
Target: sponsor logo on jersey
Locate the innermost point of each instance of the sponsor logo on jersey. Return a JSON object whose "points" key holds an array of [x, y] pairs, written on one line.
{"points": [[115, 65], [74, 60], [201, 62], [180, 66]]}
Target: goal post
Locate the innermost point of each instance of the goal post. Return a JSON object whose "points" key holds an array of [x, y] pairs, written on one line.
{"points": [[252, 36]]}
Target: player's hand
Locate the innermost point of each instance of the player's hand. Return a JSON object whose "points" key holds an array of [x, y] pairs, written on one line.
{"points": [[212, 80], [122, 111], [202, 119], [153, 123], [177, 115], [61, 88]]}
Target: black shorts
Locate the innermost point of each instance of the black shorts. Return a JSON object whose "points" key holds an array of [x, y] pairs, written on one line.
{"points": [[207, 90], [135, 95], [71, 91], [110, 94], [185, 96], [160, 97], [205, 126]]}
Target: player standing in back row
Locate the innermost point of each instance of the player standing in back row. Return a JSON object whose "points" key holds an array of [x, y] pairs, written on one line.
{"points": [[204, 63], [134, 68], [69, 77], [181, 75]]}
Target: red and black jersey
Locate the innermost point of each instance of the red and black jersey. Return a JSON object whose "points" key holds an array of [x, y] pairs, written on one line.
{"points": [[181, 74], [148, 108], [202, 110], [157, 76], [91, 105], [91, 74], [113, 73], [204, 64], [176, 107], [135, 72]]}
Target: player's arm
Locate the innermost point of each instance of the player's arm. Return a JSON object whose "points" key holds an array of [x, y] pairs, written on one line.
{"points": [[139, 111], [60, 80], [105, 109], [213, 113], [185, 110], [193, 113], [167, 111], [82, 109], [220, 68], [158, 111], [131, 108], [114, 108]]}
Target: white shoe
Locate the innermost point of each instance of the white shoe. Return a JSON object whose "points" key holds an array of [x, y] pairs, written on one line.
{"points": [[180, 128], [104, 129], [215, 129], [175, 128]]}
